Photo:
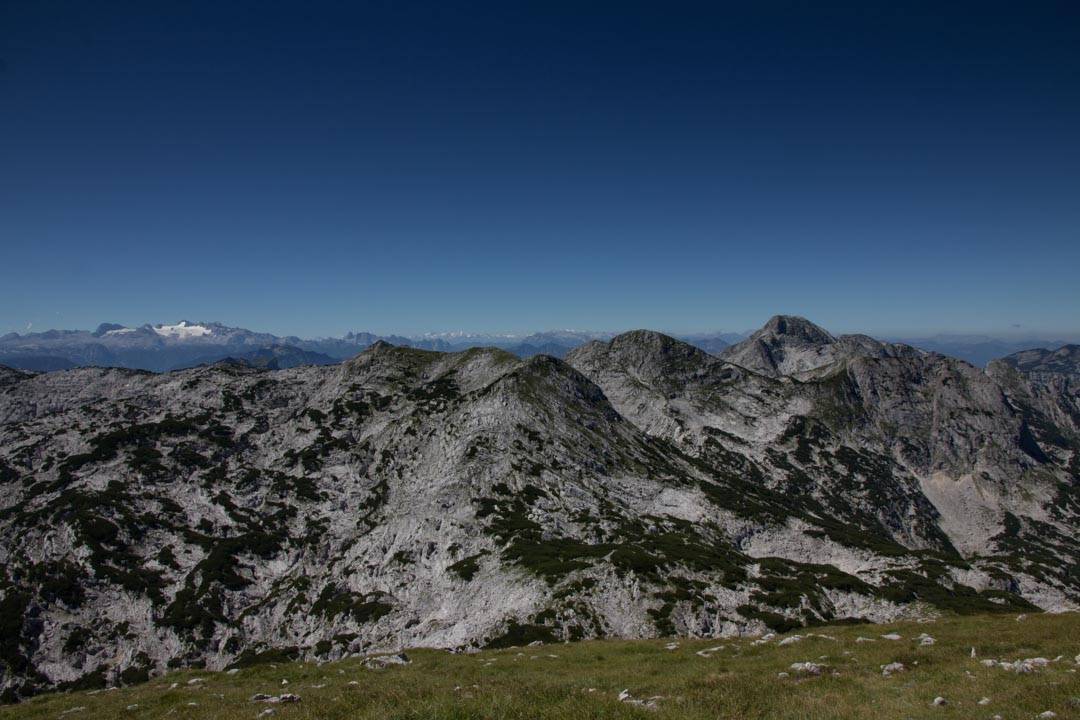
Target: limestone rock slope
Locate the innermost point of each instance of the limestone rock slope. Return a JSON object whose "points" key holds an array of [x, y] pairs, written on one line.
{"points": [[228, 514], [1040, 362], [789, 345]]}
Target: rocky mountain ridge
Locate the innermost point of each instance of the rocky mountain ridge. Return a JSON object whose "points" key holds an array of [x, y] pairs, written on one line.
{"points": [[794, 346], [228, 514], [165, 347]]}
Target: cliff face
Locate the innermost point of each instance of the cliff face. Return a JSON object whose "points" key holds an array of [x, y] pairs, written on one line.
{"points": [[225, 514]]}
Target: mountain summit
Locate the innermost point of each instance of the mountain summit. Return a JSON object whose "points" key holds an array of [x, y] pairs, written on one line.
{"points": [[230, 514], [790, 345]]}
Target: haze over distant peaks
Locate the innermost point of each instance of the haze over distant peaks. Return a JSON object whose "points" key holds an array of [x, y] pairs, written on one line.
{"points": [[786, 343]]}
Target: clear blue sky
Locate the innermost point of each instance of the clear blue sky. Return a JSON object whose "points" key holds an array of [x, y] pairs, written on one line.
{"points": [[315, 167]]}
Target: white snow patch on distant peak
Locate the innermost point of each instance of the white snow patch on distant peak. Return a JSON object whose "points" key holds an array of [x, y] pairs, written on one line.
{"points": [[182, 330], [120, 331]]}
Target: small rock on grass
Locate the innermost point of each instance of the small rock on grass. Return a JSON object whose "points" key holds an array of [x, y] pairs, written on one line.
{"points": [[384, 661], [939, 702], [649, 703], [807, 668], [275, 699], [893, 667]]}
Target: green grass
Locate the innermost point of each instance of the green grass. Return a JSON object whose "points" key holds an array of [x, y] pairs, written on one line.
{"points": [[584, 680]]}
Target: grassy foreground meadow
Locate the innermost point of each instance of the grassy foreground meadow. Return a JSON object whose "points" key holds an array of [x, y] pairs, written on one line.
{"points": [[691, 679]]}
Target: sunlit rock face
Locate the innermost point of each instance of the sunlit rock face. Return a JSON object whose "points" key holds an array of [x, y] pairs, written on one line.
{"points": [[642, 487]]}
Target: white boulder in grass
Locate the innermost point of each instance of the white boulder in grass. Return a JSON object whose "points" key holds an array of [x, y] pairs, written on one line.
{"points": [[1023, 666], [892, 636], [939, 702], [807, 668], [275, 699], [649, 703], [384, 661], [893, 667]]}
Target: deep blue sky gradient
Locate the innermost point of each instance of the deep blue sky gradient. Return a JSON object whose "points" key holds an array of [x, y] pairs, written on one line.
{"points": [[316, 167]]}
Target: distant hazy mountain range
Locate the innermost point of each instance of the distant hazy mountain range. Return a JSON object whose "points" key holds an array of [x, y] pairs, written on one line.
{"points": [[185, 344], [981, 349]]}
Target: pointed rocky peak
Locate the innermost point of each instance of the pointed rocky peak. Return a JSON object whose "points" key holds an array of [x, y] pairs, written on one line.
{"points": [[790, 345], [649, 341], [786, 344], [653, 343], [469, 369], [378, 346], [647, 352], [546, 381], [792, 328], [382, 353], [106, 328], [650, 338]]}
